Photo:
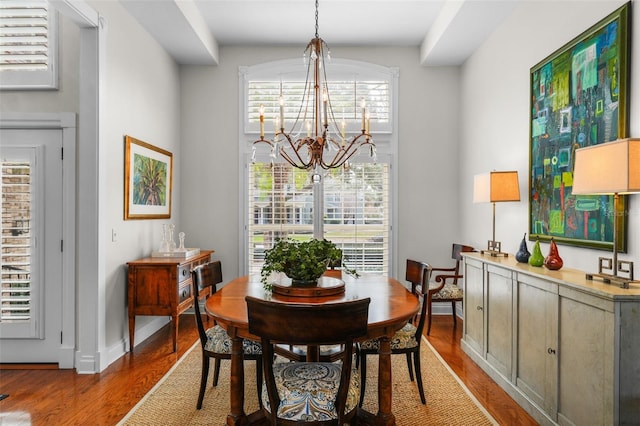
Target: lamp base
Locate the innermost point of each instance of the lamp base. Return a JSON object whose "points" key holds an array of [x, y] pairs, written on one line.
{"points": [[612, 279], [493, 249], [606, 264]]}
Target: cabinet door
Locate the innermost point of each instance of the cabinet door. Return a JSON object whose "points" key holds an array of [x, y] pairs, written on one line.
{"points": [[537, 341], [474, 305], [585, 359], [499, 314]]}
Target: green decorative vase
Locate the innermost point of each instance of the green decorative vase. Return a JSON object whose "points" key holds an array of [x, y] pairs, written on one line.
{"points": [[536, 258], [553, 261]]}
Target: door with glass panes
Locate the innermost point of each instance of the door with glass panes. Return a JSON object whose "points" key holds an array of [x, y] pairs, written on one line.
{"points": [[31, 245]]}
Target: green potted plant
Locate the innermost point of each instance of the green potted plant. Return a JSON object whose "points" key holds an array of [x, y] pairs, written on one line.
{"points": [[302, 261]]}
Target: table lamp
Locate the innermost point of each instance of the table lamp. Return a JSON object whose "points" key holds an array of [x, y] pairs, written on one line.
{"points": [[495, 187], [609, 168]]}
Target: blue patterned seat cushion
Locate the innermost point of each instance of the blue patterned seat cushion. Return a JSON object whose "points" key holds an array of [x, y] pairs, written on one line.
{"points": [[308, 390], [219, 341], [402, 339]]}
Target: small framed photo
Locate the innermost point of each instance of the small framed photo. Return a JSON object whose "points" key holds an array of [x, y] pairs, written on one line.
{"points": [[148, 173]]}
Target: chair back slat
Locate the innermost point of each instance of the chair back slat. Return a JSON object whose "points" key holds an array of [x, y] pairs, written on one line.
{"points": [[456, 254], [202, 277], [306, 324], [414, 273]]}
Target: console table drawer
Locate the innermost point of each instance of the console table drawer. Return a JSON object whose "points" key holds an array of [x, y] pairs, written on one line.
{"points": [[184, 292]]}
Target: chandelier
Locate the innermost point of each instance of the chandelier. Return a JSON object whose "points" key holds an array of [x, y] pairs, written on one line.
{"points": [[326, 145]]}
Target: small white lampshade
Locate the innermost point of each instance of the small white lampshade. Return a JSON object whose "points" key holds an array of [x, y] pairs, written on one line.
{"points": [[607, 168], [496, 187]]}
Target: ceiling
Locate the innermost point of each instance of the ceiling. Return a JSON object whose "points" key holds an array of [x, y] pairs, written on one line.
{"points": [[445, 31]]}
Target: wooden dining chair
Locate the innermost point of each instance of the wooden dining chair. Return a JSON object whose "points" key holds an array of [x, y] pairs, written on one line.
{"points": [[406, 340], [444, 287], [329, 353], [215, 341], [309, 392]]}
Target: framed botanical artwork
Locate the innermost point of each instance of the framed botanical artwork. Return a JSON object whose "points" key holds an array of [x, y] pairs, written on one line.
{"points": [[578, 98], [148, 172]]}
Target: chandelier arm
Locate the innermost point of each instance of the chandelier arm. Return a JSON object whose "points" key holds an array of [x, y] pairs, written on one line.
{"points": [[288, 159], [296, 149], [345, 153]]}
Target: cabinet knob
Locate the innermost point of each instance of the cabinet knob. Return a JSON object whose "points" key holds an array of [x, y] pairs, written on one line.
{"points": [[184, 293], [551, 351], [479, 308]]}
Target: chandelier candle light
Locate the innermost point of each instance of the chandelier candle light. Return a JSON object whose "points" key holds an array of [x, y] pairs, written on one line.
{"points": [[495, 187], [609, 168], [325, 145]]}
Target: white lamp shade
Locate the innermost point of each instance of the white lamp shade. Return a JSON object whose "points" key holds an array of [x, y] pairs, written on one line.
{"points": [[496, 187], [607, 168]]}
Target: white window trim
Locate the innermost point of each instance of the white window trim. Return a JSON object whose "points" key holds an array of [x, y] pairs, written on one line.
{"points": [[386, 140]]}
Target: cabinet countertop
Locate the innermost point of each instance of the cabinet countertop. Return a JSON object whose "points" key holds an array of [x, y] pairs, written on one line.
{"points": [[572, 278]]}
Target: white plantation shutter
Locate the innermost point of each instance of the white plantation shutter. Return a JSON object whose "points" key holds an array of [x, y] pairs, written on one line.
{"points": [[28, 45], [356, 212], [345, 100], [356, 215]]}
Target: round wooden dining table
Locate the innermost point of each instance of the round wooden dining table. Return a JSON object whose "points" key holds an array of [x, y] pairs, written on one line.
{"points": [[391, 307]]}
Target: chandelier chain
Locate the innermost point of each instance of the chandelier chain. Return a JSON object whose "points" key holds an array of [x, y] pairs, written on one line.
{"points": [[317, 18]]}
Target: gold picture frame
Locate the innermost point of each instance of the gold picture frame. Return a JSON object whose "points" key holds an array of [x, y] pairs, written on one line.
{"points": [[148, 175]]}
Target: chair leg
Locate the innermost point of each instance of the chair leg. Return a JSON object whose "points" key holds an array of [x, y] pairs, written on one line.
{"points": [[259, 380], [216, 372], [409, 365], [416, 359], [203, 379], [453, 309], [363, 376], [429, 315]]}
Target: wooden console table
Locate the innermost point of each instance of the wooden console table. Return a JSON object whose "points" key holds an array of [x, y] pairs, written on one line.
{"points": [[567, 349], [161, 286]]}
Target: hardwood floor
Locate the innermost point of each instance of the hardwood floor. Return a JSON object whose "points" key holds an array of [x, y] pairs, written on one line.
{"points": [[446, 341], [57, 397]]}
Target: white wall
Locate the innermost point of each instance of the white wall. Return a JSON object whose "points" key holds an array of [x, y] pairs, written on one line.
{"points": [[495, 118], [141, 99], [427, 177]]}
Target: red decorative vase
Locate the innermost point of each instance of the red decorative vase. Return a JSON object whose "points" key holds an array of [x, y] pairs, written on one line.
{"points": [[553, 261]]}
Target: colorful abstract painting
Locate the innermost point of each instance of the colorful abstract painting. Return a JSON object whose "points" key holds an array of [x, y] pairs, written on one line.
{"points": [[578, 98]]}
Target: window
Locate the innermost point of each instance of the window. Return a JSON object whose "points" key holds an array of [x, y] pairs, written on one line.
{"points": [[15, 293], [28, 45], [354, 204]]}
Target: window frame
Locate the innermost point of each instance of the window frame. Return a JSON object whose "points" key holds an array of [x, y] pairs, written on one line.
{"points": [[385, 137]]}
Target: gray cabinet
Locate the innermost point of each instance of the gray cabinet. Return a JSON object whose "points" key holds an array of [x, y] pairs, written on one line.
{"points": [[499, 317], [537, 341], [474, 305], [565, 348]]}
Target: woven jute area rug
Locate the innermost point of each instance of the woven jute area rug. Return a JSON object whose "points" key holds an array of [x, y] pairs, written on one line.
{"points": [[173, 400]]}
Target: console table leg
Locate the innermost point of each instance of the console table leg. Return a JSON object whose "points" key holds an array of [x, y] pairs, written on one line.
{"points": [[132, 329], [175, 332]]}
